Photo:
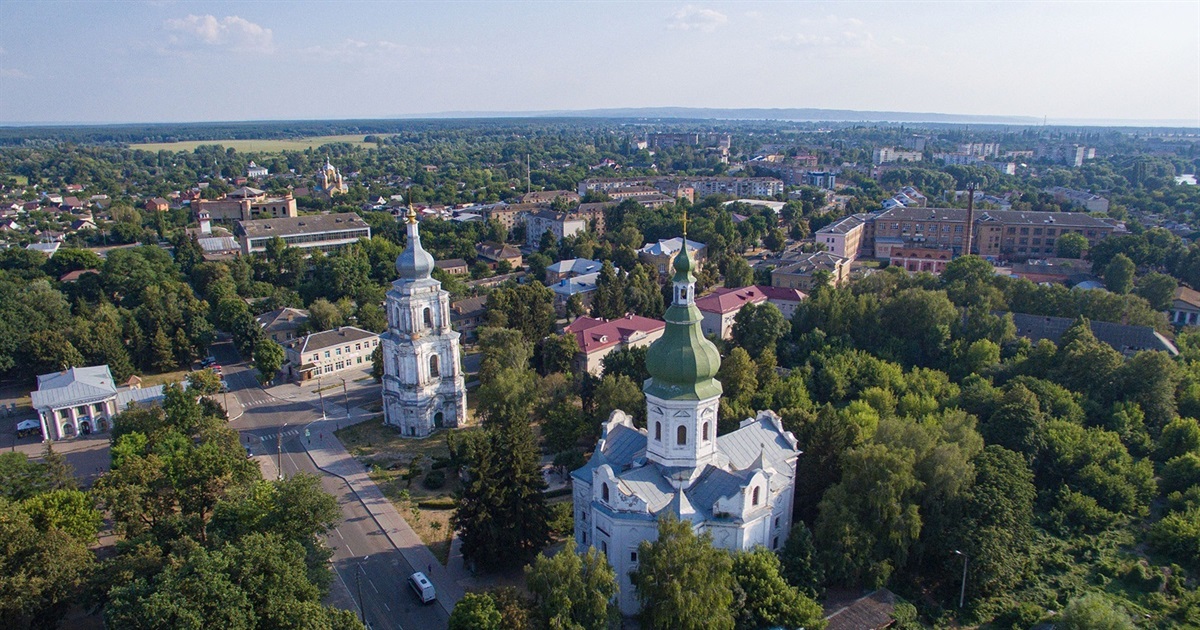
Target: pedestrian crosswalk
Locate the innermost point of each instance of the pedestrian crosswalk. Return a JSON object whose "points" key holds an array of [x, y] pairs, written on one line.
{"points": [[275, 436]]}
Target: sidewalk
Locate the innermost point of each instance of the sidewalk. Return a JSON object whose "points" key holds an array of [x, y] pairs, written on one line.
{"points": [[328, 454]]}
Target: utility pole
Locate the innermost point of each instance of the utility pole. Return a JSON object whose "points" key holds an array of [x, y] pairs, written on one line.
{"points": [[970, 217], [528, 175]]}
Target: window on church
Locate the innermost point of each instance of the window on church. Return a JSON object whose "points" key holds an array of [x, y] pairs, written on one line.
{"points": [[754, 500], [604, 492], [681, 436], [433, 367], [658, 431], [633, 556], [704, 435], [428, 318]]}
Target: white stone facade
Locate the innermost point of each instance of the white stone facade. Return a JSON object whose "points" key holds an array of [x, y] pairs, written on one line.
{"points": [[423, 386]]}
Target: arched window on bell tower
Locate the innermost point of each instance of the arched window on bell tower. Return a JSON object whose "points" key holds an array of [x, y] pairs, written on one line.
{"points": [[681, 435], [428, 318], [433, 366]]}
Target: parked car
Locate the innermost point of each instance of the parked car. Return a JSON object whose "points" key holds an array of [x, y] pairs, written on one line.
{"points": [[208, 360], [224, 385], [422, 587]]}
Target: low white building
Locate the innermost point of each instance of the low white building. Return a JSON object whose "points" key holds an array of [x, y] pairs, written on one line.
{"points": [[83, 400], [324, 353]]}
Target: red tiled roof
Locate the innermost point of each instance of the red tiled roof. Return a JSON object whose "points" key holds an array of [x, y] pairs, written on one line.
{"points": [[597, 334], [730, 300], [782, 294]]}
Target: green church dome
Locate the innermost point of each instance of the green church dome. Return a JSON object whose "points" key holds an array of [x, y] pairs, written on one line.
{"points": [[682, 363]]}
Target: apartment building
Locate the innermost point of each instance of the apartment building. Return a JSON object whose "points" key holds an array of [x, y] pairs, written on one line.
{"points": [[844, 237], [883, 155], [1082, 198], [800, 272], [661, 254], [560, 224]]}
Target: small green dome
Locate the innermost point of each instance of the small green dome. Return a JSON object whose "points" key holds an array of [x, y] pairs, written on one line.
{"points": [[683, 262], [682, 363]]}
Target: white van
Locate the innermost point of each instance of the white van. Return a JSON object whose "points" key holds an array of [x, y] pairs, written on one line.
{"points": [[422, 587]]}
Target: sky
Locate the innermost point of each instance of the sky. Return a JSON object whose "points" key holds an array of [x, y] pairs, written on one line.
{"points": [[99, 61]]}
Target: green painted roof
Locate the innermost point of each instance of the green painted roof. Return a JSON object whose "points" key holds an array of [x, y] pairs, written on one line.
{"points": [[682, 363]]}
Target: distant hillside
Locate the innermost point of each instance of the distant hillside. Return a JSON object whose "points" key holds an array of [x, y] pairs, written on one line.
{"points": [[805, 114]]}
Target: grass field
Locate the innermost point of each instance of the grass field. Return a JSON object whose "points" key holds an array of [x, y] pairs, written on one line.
{"points": [[259, 146]]}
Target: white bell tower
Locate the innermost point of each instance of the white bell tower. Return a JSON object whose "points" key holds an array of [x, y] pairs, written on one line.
{"points": [[423, 387]]}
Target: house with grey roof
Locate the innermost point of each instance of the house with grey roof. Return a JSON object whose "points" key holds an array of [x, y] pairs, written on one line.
{"points": [[84, 400], [282, 325]]}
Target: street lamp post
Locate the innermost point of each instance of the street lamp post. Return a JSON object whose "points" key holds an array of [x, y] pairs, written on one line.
{"points": [[345, 398], [362, 615], [962, 593], [279, 449]]}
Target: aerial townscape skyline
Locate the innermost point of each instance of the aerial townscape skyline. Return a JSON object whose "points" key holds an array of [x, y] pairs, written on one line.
{"points": [[1134, 62], [599, 315]]}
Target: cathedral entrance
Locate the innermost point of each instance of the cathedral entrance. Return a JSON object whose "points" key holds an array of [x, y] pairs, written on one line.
{"points": [[437, 420]]}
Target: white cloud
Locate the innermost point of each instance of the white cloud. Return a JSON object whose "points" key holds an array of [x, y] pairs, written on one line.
{"points": [[230, 32], [832, 33], [693, 18], [12, 73]]}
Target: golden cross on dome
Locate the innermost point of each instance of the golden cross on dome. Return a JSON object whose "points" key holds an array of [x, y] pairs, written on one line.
{"points": [[412, 214], [685, 223]]}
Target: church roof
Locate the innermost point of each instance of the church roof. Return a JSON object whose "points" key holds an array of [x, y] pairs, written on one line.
{"points": [[623, 448], [414, 263], [682, 363]]}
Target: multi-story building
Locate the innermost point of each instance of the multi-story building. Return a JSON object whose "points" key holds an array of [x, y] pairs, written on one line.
{"points": [[735, 186], [826, 180], [844, 237], [883, 155], [423, 386], [320, 354], [468, 314], [83, 400], [319, 231], [800, 272], [662, 254], [246, 203], [560, 224], [546, 197], [719, 308], [599, 337], [736, 487], [997, 233], [454, 266]]}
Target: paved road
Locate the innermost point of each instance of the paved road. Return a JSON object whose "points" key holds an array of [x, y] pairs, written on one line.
{"points": [[359, 542]]}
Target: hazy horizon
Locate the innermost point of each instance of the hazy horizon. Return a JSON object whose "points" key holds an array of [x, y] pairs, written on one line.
{"points": [[1135, 64]]}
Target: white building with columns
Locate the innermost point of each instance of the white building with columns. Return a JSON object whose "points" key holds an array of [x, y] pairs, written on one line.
{"points": [[423, 387], [737, 486], [84, 400]]}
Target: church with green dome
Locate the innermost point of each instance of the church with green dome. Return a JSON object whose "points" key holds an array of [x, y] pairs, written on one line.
{"points": [[738, 486]]}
